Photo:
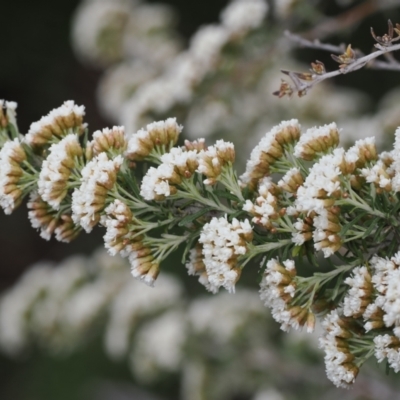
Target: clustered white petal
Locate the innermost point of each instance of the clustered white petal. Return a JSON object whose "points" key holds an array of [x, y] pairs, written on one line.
{"points": [[98, 176], [56, 169], [242, 15], [223, 242], [57, 122], [11, 156], [358, 296], [386, 280], [338, 359], [277, 288]]}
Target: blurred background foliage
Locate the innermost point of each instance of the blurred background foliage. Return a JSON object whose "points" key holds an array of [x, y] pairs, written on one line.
{"points": [[39, 71]]}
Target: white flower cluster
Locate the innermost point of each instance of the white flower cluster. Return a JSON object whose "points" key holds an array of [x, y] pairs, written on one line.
{"points": [[157, 134], [181, 163], [135, 301], [264, 208], [177, 164], [15, 305], [359, 295], [222, 316], [338, 359], [214, 158], [8, 113], [380, 174], [317, 140], [154, 352], [93, 17], [108, 140], [395, 167], [98, 177], [56, 124], [12, 155], [373, 299], [269, 150], [386, 280], [223, 242], [177, 83], [57, 168], [151, 329], [242, 15], [388, 348], [277, 289]]}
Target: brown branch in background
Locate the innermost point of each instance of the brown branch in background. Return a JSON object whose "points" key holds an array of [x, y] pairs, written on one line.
{"points": [[349, 61], [348, 18]]}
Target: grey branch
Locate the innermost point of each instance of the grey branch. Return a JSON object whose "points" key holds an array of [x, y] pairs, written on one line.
{"points": [[391, 65], [302, 84], [315, 44]]}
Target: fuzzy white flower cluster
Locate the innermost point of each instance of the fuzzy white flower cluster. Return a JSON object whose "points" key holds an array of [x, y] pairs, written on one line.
{"points": [[222, 316], [388, 348], [214, 158], [338, 359], [386, 280], [57, 168], [395, 167], [16, 304], [93, 17], [153, 351], [177, 164], [317, 140], [359, 294], [267, 151], [8, 112], [160, 133], [178, 81], [132, 302], [380, 174], [98, 177], [223, 242], [277, 289], [264, 208], [241, 15], [12, 155], [57, 123], [316, 195], [323, 178]]}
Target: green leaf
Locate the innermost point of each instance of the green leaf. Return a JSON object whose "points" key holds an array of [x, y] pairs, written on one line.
{"points": [[373, 225], [189, 245], [189, 218], [296, 251], [373, 192], [13, 131], [226, 195], [337, 287], [351, 224]]}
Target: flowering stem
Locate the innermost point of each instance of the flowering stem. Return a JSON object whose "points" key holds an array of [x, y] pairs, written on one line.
{"points": [[166, 245], [192, 193], [265, 248], [229, 179]]}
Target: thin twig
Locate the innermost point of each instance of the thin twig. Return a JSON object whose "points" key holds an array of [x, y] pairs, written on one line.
{"points": [[354, 66], [391, 65], [314, 44], [349, 61]]}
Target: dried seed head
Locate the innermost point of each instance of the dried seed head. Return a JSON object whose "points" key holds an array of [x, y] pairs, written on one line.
{"points": [[58, 123], [214, 159], [111, 141], [162, 135]]}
